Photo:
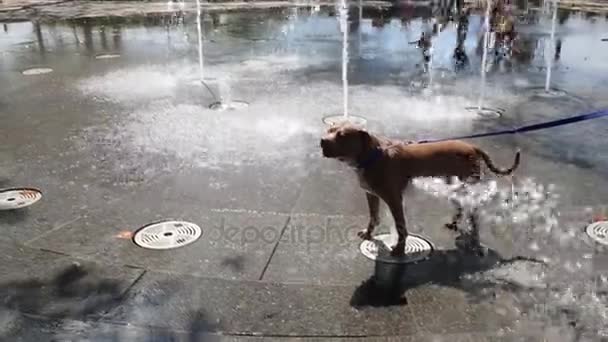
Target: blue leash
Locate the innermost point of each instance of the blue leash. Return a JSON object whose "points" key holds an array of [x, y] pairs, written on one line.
{"points": [[529, 128]]}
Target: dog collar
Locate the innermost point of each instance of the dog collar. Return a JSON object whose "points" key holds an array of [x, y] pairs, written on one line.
{"points": [[368, 160]]}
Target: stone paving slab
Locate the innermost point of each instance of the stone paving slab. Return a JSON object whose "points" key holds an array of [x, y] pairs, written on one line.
{"points": [[325, 249], [320, 250], [72, 183], [283, 310], [163, 306], [25, 328], [179, 302], [233, 246]]}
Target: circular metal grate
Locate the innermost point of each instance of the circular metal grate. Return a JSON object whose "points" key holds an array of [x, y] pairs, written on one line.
{"points": [[167, 235], [107, 56], [416, 249], [232, 105], [550, 94], [487, 112], [36, 71], [339, 118], [598, 231], [18, 198]]}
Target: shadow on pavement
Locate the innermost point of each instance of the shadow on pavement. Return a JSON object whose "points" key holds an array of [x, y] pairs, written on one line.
{"points": [[69, 306], [70, 294], [11, 217], [390, 282]]}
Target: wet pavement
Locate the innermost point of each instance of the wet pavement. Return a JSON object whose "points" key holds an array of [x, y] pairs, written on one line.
{"points": [[120, 135]]}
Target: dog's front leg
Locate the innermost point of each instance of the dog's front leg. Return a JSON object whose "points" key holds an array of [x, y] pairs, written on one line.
{"points": [[395, 203], [373, 202]]}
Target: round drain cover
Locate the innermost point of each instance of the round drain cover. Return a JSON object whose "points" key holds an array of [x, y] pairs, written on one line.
{"points": [[549, 94], [486, 112], [598, 231], [338, 119], [167, 235], [36, 71], [232, 105], [18, 198], [107, 56], [416, 249]]}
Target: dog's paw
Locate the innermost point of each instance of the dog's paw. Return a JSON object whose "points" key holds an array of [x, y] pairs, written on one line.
{"points": [[364, 235], [479, 250], [398, 250]]}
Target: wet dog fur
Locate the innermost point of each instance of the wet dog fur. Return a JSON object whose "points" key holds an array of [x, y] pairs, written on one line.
{"points": [[386, 167]]}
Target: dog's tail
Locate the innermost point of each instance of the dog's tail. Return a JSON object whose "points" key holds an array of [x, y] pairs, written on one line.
{"points": [[503, 172]]}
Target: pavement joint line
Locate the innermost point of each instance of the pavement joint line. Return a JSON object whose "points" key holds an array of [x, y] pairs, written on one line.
{"points": [[276, 245], [243, 280], [274, 248], [122, 296], [54, 229], [249, 334], [102, 320], [54, 252], [278, 213], [126, 291]]}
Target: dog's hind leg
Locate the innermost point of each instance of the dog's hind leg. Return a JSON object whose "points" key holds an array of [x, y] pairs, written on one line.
{"points": [[395, 204], [459, 210], [474, 242], [373, 202], [456, 218]]}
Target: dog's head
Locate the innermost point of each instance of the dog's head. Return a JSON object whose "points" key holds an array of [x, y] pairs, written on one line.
{"points": [[345, 142]]}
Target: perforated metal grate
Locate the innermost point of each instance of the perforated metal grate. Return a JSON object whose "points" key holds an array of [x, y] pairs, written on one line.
{"points": [[416, 249], [232, 105], [487, 112], [167, 235], [18, 198], [598, 231], [107, 56], [36, 71]]}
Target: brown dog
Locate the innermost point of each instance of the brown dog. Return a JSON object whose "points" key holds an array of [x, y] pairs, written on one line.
{"points": [[386, 167]]}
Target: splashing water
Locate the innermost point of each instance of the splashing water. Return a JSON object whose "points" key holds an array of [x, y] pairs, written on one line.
{"points": [[130, 85], [484, 57], [567, 291], [199, 30], [523, 203], [548, 58], [344, 28]]}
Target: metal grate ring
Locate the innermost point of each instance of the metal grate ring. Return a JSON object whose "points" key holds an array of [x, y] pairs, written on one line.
{"points": [[598, 231], [338, 119], [18, 198], [36, 71], [416, 249], [107, 56], [167, 235]]}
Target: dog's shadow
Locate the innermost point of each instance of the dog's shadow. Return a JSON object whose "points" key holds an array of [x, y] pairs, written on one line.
{"points": [[389, 284]]}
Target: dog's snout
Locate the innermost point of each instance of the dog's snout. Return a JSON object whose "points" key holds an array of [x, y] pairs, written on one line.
{"points": [[324, 142]]}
